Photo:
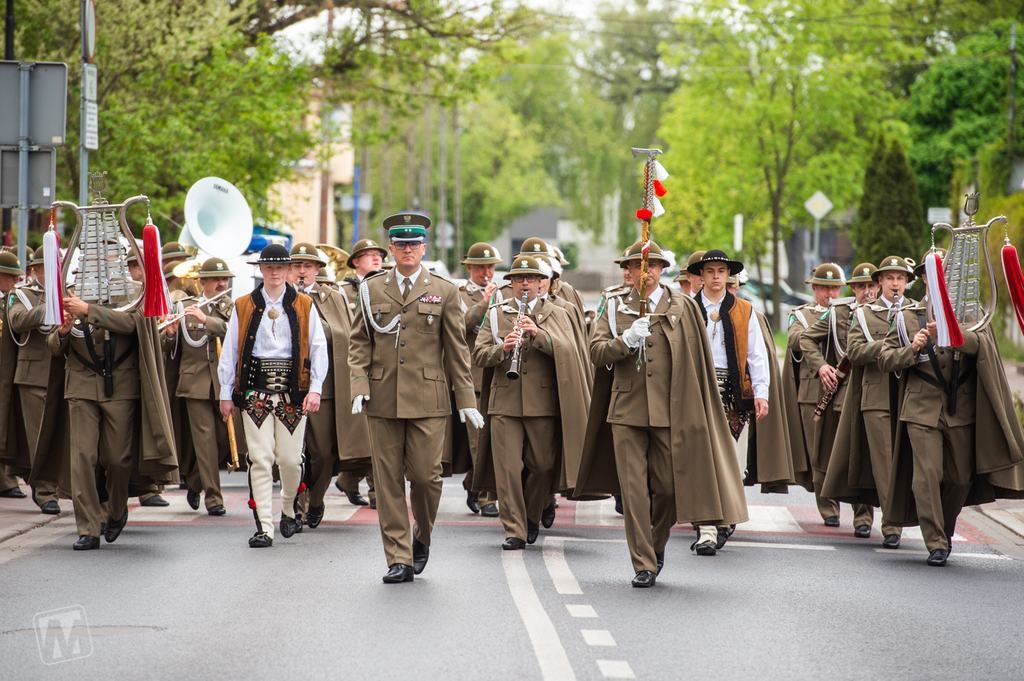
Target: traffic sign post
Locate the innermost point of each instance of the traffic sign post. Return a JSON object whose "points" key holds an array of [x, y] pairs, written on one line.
{"points": [[90, 112], [818, 206]]}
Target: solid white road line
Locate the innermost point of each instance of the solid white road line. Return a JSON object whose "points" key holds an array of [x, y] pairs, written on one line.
{"points": [[554, 663], [581, 610], [770, 519], [989, 556], [597, 637], [615, 669], [769, 545], [558, 568]]}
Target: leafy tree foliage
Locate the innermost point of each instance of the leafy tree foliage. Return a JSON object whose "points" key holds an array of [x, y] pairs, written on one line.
{"points": [[890, 220]]}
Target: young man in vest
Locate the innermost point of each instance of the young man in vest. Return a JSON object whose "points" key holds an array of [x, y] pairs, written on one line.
{"points": [[412, 339], [272, 367], [739, 354]]}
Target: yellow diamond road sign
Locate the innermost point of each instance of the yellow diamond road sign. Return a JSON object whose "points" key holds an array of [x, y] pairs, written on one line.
{"points": [[818, 205]]}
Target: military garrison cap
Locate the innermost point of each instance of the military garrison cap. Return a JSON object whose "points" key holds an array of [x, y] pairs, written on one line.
{"points": [[407, 227]]}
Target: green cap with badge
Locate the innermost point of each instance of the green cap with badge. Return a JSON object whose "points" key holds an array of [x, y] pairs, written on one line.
{"points": [[407, 227], [524, 264], [827, 274], [213, 268], [9, 264]]}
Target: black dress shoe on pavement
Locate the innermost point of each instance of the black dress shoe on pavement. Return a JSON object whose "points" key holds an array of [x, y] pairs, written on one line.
{"points": [[373, 504], [832, 521], [473, 501], [398, 573], [420, 554], [862, 531], [260, 540], [50, 508], [661, 560], [315, 515], [513, 544], [193, 499], [618, 504], [731, 529], [891, 541], [707, 548], [356, 499], [156, 500], [723, 536], [643, 579], [289, 526], [489, 511], [13, 493], [937, 557], [217, 510], [532, 530], [114, 527], [547, 516], [85, 543]]}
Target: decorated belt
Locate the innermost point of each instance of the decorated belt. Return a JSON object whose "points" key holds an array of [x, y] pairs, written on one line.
{"points": [[270, 375]]}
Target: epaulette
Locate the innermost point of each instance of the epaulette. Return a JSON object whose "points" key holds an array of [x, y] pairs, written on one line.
{"points": [[374, 275], [470, 287], [617, 294], [441, 276], [615, 287], [848, 300]]}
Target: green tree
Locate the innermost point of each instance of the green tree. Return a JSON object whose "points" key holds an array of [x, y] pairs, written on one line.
{"points": [[890, 220]]}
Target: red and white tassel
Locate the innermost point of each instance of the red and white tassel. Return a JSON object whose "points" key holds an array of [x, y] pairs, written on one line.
{"points": [[1014, 280], [659, 210], [156, 303], [946, 326], [660, 174], [53, 264]]}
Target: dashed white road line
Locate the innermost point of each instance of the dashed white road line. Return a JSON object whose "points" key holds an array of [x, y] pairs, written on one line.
{"points": [[615, 669], [551, 655], [771, 545], [597, 637], [581, 610], [558, 568]]}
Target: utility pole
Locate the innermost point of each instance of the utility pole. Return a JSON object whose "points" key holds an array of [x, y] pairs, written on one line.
{"points": [[9, 56], [457, 180], [442, 183], [412, 200], [426, 163], [364, 172]]}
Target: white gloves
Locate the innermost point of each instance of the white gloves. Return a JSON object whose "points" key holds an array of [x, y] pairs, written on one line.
{"points": [[358, 402], [474, 416], [635, 334]]}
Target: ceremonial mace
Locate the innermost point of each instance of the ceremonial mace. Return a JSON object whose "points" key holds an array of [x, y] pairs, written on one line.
{"points": [[645, 215]]}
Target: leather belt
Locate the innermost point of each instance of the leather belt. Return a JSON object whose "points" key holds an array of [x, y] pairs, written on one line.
{"points": [[270, 375]]}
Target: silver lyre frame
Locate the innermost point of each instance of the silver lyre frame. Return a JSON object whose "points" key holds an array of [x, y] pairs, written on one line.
{"points": [[988, 309], [125, 231]]}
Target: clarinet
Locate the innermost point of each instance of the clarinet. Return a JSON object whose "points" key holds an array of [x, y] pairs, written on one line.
{"points": [[841, 371], [513, 370]]}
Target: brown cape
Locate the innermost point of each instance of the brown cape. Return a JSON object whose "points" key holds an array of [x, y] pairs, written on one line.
{"points": [[14, 442], [798, 446], [708, 484]]}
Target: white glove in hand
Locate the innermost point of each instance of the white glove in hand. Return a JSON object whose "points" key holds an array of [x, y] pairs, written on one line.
{"points": [[636, 333], [358, 402], [474, 416]]}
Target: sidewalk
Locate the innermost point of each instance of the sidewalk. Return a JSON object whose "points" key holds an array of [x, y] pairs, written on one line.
{"points": [[18, 516]]}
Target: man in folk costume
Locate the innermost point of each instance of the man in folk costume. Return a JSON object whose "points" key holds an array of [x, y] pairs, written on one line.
{"points": [[530, 411], [367, 257], [411, 341], [331, 426], [198, 384], [674, 458], [39, 376], [14, 453], [477, 295], [858, 471], [272, 367]]}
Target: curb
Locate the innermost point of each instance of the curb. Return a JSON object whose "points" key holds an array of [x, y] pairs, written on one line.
{"points": [[1011, 521], [24, 527]]}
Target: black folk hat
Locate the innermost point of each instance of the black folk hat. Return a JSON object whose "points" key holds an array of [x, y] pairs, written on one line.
{"points": [[274, 254], [715, 255]]}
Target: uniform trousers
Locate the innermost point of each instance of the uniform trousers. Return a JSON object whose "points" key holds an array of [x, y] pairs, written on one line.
{"points": [[877, 424], [483, 498], [406, 448], [321, 435], [824, 433], [7, 481], [524, 468], [348, 481], [33, 404], [643, 457], [943, 463], [101, 436], [270, 444], [205, 476]]}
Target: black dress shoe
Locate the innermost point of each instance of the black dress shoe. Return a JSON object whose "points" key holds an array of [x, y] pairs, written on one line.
{"points": [[114, 527], [50, 508], [489, 511], [661, 560], [398, 573], [891, 541], [937, 557], [832, 521], [260, 540], [862, 531], [356, 499], [547, 516], [513, 544], [193, 499], [182, 485], [473, 501], [723, 536], [315, 515], [85, 543], [289, 526], [532, 530], [618, 504], [731, 529], [708, 548], [13, 493], [420, 554], [156, 500], [216, 510], [373, 504], [643, 579]]}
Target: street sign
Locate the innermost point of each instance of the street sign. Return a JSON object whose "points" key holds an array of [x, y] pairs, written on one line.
{"points": [[92, 126], [89, 71], [445, 235], [348, 202], [818, 205], [42, 177], [47, 103], [944, 215], [90, 30]]}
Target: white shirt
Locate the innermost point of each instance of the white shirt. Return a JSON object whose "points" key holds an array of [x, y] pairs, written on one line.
{"points": [[274, 341], [757, 355]]}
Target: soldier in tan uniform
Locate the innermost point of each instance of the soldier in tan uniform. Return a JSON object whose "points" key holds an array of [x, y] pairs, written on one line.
{"points": [[367, 257], [477, 295], [690, 284], [412, 337], [26, 310], [198, 384], [10, 273]]}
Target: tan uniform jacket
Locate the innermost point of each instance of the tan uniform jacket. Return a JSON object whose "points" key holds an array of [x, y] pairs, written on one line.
{"points": [[27, 321], [475, 306], [80, 381], [800, 320], [197, 372], [404, 374], [868, 329], [820, 346]]}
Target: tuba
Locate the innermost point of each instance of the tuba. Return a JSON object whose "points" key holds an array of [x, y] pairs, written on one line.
{"points": [[338, 265], [102, 276], [218, 220]]}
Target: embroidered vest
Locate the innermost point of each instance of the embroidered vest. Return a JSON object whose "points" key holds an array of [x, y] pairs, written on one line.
{"points": [[250, 311]]}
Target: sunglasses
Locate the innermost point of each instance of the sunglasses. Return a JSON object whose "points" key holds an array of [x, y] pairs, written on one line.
{"points": [[520, 278]]}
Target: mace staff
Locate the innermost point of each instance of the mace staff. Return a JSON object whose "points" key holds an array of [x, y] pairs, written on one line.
{"points": [[645, 214]]}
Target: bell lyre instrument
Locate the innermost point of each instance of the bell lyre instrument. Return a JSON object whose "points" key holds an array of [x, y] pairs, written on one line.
{"points": [[513, 370]]}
